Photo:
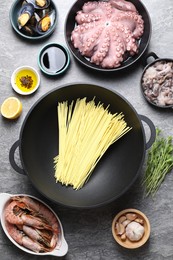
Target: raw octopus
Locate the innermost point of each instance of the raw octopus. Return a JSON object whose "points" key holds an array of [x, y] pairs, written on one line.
{"points": [[108, 32], [157, 83], [31, 224]]}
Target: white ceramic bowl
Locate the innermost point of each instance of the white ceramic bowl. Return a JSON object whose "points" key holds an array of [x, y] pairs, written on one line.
{"points": [[25, 74], [61, 247]]}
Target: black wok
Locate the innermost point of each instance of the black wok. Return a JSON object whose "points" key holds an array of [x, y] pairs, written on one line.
{"points": [[143, 42], [115, 172]]}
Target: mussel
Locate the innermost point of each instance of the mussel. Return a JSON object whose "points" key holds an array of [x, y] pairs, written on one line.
{"points": [[29, 28], [34, 21], [46, 22], [39, 4], [25, 13]]}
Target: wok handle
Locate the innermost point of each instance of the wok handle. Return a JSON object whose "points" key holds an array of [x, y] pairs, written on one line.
{"points": [[147, 56], [152, 130], [12, 160]]}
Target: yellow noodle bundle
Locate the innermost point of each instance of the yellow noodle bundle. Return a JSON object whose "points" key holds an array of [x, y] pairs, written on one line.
{"points": [[86, 130]]}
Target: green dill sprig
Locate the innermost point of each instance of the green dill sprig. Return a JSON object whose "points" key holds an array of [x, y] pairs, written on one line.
{"points": [[159, 163]]}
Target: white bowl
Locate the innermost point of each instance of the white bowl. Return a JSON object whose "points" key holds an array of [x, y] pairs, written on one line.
{"points": [[25, 72], [61, 247]]}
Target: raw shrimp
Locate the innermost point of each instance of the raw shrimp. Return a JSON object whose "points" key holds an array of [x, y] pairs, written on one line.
{"points": [[42, 236], [54, 240], [15, 214], [41, 209], [24, 240], [34, 222], [45, 234]]}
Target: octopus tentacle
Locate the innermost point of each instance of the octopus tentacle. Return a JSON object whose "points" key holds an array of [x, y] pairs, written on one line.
{"points": [[85, 38], [90, 6], [134, 22], [123, 5], [94, 6], [87, 17], [137, 33], [118, 48], [102, 48]]}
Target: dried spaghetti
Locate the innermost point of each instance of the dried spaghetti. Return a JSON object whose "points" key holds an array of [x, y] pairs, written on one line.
{"points": [[86, 130]]}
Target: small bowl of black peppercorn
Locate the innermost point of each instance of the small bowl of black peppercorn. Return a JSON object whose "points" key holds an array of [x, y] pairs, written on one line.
{"points": [[25, 80]]}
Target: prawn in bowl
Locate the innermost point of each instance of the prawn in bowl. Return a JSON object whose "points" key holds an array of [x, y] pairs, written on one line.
{"points": [[32, 225]]}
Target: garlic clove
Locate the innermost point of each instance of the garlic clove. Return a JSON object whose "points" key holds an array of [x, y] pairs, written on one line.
{"points": [[131, 216], [122, 219], [139, 220], [126, 222], [123, 237], [120, 229]]}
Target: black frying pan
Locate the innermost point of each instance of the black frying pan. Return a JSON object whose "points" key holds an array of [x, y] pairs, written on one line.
{"points": [[143, 43], [115, 172]]}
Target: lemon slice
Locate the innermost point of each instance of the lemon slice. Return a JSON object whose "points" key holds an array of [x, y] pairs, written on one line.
{"points": [[11, 108]]}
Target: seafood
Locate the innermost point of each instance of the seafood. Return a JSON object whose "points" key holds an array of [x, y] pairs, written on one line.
{"points": [[107, 32], [25, 13], [31, 224], [39, 4], [24, 240], [157, 83], [46, 22], [40, 210], [42, 236], [15, 214], [34, 20]]}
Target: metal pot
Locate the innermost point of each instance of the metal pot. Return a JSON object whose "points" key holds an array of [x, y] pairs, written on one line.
{"points": [[149, 60], [115, 172]]}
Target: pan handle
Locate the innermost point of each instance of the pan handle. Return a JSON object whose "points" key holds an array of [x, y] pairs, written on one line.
{"points": [[12, 160], [152, 130], [147, 56]]}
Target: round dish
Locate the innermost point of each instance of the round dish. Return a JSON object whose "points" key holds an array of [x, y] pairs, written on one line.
{"points": [[156, 81], [14, 12], [127, 243], [122, 162], [53, 59], [60, 249], [70, 24], [25, 80]]}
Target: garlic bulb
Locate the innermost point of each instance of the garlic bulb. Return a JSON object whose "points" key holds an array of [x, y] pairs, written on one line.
{"points": [[134, 231]]}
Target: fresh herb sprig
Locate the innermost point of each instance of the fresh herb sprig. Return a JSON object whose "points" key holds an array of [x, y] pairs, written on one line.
{"points": [[159, 163]]}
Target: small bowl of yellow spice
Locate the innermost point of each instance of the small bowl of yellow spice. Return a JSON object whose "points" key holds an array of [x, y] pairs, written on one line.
{"points": [[25, 80]]}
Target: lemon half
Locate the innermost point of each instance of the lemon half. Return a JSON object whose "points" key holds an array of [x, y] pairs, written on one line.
{"points": [[11, 108]]}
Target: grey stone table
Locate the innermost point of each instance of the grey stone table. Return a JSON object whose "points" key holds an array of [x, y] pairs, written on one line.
{"points": [[88, 232]]}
